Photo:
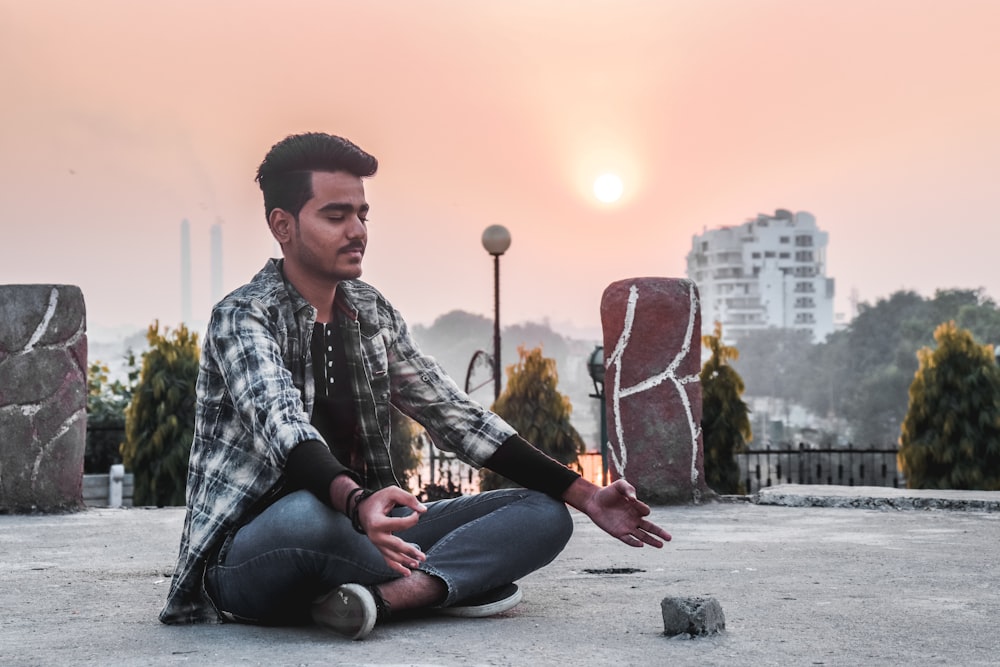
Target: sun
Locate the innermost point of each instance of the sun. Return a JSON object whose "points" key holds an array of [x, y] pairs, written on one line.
{"points": [[608, 188]]}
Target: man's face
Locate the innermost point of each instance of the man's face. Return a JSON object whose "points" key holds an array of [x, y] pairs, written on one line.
{"points": [[329, 238]]}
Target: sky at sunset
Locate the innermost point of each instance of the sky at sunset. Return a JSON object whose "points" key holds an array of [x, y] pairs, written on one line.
{"points": [[122, 118]]}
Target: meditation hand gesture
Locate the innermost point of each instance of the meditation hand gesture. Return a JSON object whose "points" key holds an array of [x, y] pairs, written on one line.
{"points": [[373, 516], [617, 511]]}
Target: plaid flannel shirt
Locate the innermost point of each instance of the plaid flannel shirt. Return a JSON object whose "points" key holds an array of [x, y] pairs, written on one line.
{"points": [[255, 400]]}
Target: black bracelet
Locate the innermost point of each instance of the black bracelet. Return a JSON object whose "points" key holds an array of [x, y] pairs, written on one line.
{"points": [[350, 495], [355, 519]]}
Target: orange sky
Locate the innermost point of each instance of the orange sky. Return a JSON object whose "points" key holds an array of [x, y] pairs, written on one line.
{"points": [[121, 118]]}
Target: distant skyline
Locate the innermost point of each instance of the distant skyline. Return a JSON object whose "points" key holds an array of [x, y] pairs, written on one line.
{"points": [[121, 119]]}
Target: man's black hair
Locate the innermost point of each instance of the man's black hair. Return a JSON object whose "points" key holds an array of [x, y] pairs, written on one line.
{"points": [[285, 175]]}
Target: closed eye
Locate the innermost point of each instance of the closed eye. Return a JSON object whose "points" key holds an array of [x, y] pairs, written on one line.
{"points": [[339, 211]]}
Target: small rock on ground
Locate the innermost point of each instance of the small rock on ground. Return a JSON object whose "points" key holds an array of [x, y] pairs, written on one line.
{"points": [[692, 616]]}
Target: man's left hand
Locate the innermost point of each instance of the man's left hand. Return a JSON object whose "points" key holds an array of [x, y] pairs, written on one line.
{"points": [[617, 511]]}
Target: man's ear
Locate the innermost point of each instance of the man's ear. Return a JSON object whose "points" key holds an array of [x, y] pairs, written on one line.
{"points": [[282, 224]]}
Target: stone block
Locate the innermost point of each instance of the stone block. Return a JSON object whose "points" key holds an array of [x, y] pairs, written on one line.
{"points": [[43, 397], [29, 377], [21, 310], [652, 349], [694, 617]]}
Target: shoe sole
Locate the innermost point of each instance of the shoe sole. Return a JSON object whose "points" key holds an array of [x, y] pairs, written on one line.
{"points": [[324, 611], [484, 610]]}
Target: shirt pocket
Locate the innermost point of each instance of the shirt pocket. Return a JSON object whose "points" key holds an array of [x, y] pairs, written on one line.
{"points": [[375, 357], [293, 350]]}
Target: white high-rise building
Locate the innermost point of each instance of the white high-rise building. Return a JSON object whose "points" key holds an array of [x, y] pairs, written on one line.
{"points": [[768, 272]]}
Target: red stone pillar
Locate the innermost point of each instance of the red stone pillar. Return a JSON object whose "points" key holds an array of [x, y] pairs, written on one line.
{"points": [[652, 354]]}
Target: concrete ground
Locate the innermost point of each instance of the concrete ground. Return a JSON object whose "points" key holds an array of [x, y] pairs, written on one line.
{"points": [[814, 584]]}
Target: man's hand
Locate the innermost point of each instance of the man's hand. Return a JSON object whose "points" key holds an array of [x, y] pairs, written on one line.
{"points": [[373, 515], [617, 511]]}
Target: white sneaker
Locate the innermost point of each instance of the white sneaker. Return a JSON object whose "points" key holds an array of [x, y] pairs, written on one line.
{"points": [[490, 603], [348, 610]]}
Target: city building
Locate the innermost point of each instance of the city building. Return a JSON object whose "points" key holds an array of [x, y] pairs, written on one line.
{"points": [[769, 271]]}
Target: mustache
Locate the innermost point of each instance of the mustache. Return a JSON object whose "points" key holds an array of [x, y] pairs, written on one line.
{"points": [[352, 246]]}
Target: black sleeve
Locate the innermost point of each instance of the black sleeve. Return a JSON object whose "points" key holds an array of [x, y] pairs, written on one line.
{"points": [[312, 466], [520, 462]]}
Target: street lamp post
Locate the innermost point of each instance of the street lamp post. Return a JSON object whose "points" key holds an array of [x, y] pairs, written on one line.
{"points": [[496, 240], [595, 367]]}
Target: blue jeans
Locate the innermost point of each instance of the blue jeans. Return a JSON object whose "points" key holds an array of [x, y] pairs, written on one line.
{"points": [[270, 570]]}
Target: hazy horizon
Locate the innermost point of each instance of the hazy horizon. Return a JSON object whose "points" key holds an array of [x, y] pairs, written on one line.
{"points": [[122, 119]]}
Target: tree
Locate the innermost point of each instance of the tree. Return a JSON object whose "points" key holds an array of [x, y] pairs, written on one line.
{"points": [[881, 345], [862, 374], [951, 434], [983, 321], [159, 422], [532, 404], [725, 420]]}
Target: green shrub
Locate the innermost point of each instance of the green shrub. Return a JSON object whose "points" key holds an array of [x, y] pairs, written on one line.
{"points": [[159, 422], [532, 404], [725, 421], [950, 438]]}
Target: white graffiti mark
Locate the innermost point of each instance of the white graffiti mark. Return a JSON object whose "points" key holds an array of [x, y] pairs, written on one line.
{"points": [[44, 324], [669, 374]]}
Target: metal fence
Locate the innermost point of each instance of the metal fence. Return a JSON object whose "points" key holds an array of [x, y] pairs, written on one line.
{"points": [[102, 447], [442, 475], [805, 464]]}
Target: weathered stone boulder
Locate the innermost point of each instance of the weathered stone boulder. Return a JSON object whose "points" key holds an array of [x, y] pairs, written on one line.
{"points": [[652, 351], [43, 397]]}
